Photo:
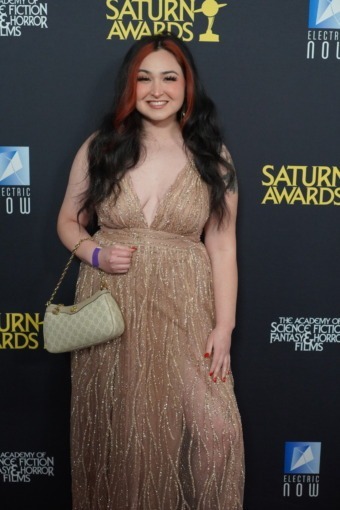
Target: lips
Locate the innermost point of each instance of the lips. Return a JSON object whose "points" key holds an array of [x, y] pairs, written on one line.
{"points": [[157, 104]]}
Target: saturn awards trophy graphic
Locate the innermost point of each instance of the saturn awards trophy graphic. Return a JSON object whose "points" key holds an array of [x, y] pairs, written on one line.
{"points": [[210, 8]]}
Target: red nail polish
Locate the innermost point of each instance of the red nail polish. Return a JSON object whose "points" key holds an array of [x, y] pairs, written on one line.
{"points": [[215, 379], [211, 373], [206, 355], [224, 379]]}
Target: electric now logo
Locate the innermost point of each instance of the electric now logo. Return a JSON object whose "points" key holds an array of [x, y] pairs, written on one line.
{"points": [[324, 14], [15, 191], [301, 470], [302, 458]]}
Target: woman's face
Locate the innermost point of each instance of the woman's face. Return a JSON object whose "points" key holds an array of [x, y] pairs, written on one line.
{"points": [[160, 88]]}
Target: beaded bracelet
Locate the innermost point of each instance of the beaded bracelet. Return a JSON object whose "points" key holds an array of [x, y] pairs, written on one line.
{"points": [[95, 257]]}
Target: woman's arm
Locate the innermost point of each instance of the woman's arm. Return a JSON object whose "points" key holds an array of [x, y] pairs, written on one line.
{"points": [[71, 229], [221, 246]]}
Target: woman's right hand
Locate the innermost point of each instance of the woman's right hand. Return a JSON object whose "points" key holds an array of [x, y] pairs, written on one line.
{"points": [[116, 258]]}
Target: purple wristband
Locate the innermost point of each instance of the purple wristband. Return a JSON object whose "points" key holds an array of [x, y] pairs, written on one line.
{"points": [[95, 260]]}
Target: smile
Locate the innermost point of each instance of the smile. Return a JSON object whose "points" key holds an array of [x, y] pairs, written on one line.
{"points": [[157, 104]]}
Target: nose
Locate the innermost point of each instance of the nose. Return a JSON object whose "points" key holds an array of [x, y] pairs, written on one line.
{"points": [[156, 89]]}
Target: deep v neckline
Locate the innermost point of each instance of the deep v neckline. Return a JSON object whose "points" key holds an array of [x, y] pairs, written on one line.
{"points": [[163, 198]]}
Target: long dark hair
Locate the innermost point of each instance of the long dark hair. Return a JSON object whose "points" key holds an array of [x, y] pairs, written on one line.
{"points": [[117, 146]]}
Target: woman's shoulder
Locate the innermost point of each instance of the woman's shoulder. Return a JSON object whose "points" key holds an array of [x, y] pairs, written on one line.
{"points": [[82, 152], [80, 163], [228, 172], [227, 156], [86, 144]]}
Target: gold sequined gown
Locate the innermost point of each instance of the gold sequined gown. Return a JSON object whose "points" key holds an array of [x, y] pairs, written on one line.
{"points": [[150, 430]]}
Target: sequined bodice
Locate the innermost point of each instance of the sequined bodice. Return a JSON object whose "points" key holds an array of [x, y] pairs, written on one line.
{"points": [[183, 210]]}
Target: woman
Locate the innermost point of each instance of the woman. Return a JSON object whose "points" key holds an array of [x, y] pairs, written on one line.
{"points": [[155, 423]]}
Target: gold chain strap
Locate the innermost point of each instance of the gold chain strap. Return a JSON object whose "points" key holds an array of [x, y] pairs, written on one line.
{"points": [[66, 269]]}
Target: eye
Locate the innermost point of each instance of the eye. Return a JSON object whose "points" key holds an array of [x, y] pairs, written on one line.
{"points": [[171, 77], [143, 78]]}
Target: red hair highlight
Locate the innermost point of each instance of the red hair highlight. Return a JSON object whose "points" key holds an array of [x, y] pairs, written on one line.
{"points": [[127, 102]]}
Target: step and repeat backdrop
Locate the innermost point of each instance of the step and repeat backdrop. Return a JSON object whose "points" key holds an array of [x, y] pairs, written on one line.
{"points": [[273, 70]]}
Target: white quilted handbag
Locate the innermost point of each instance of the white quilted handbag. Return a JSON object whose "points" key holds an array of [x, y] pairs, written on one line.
{"points": [[93, 321]]}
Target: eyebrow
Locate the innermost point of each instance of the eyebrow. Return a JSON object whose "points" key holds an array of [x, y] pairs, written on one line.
{"points": [[163, 72]]}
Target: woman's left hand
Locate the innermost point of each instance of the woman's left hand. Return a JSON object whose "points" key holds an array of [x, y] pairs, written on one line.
{"points": [[218, 348]]}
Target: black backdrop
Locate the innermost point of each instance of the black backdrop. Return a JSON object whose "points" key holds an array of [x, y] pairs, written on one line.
{"points": [[279, 108]]}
